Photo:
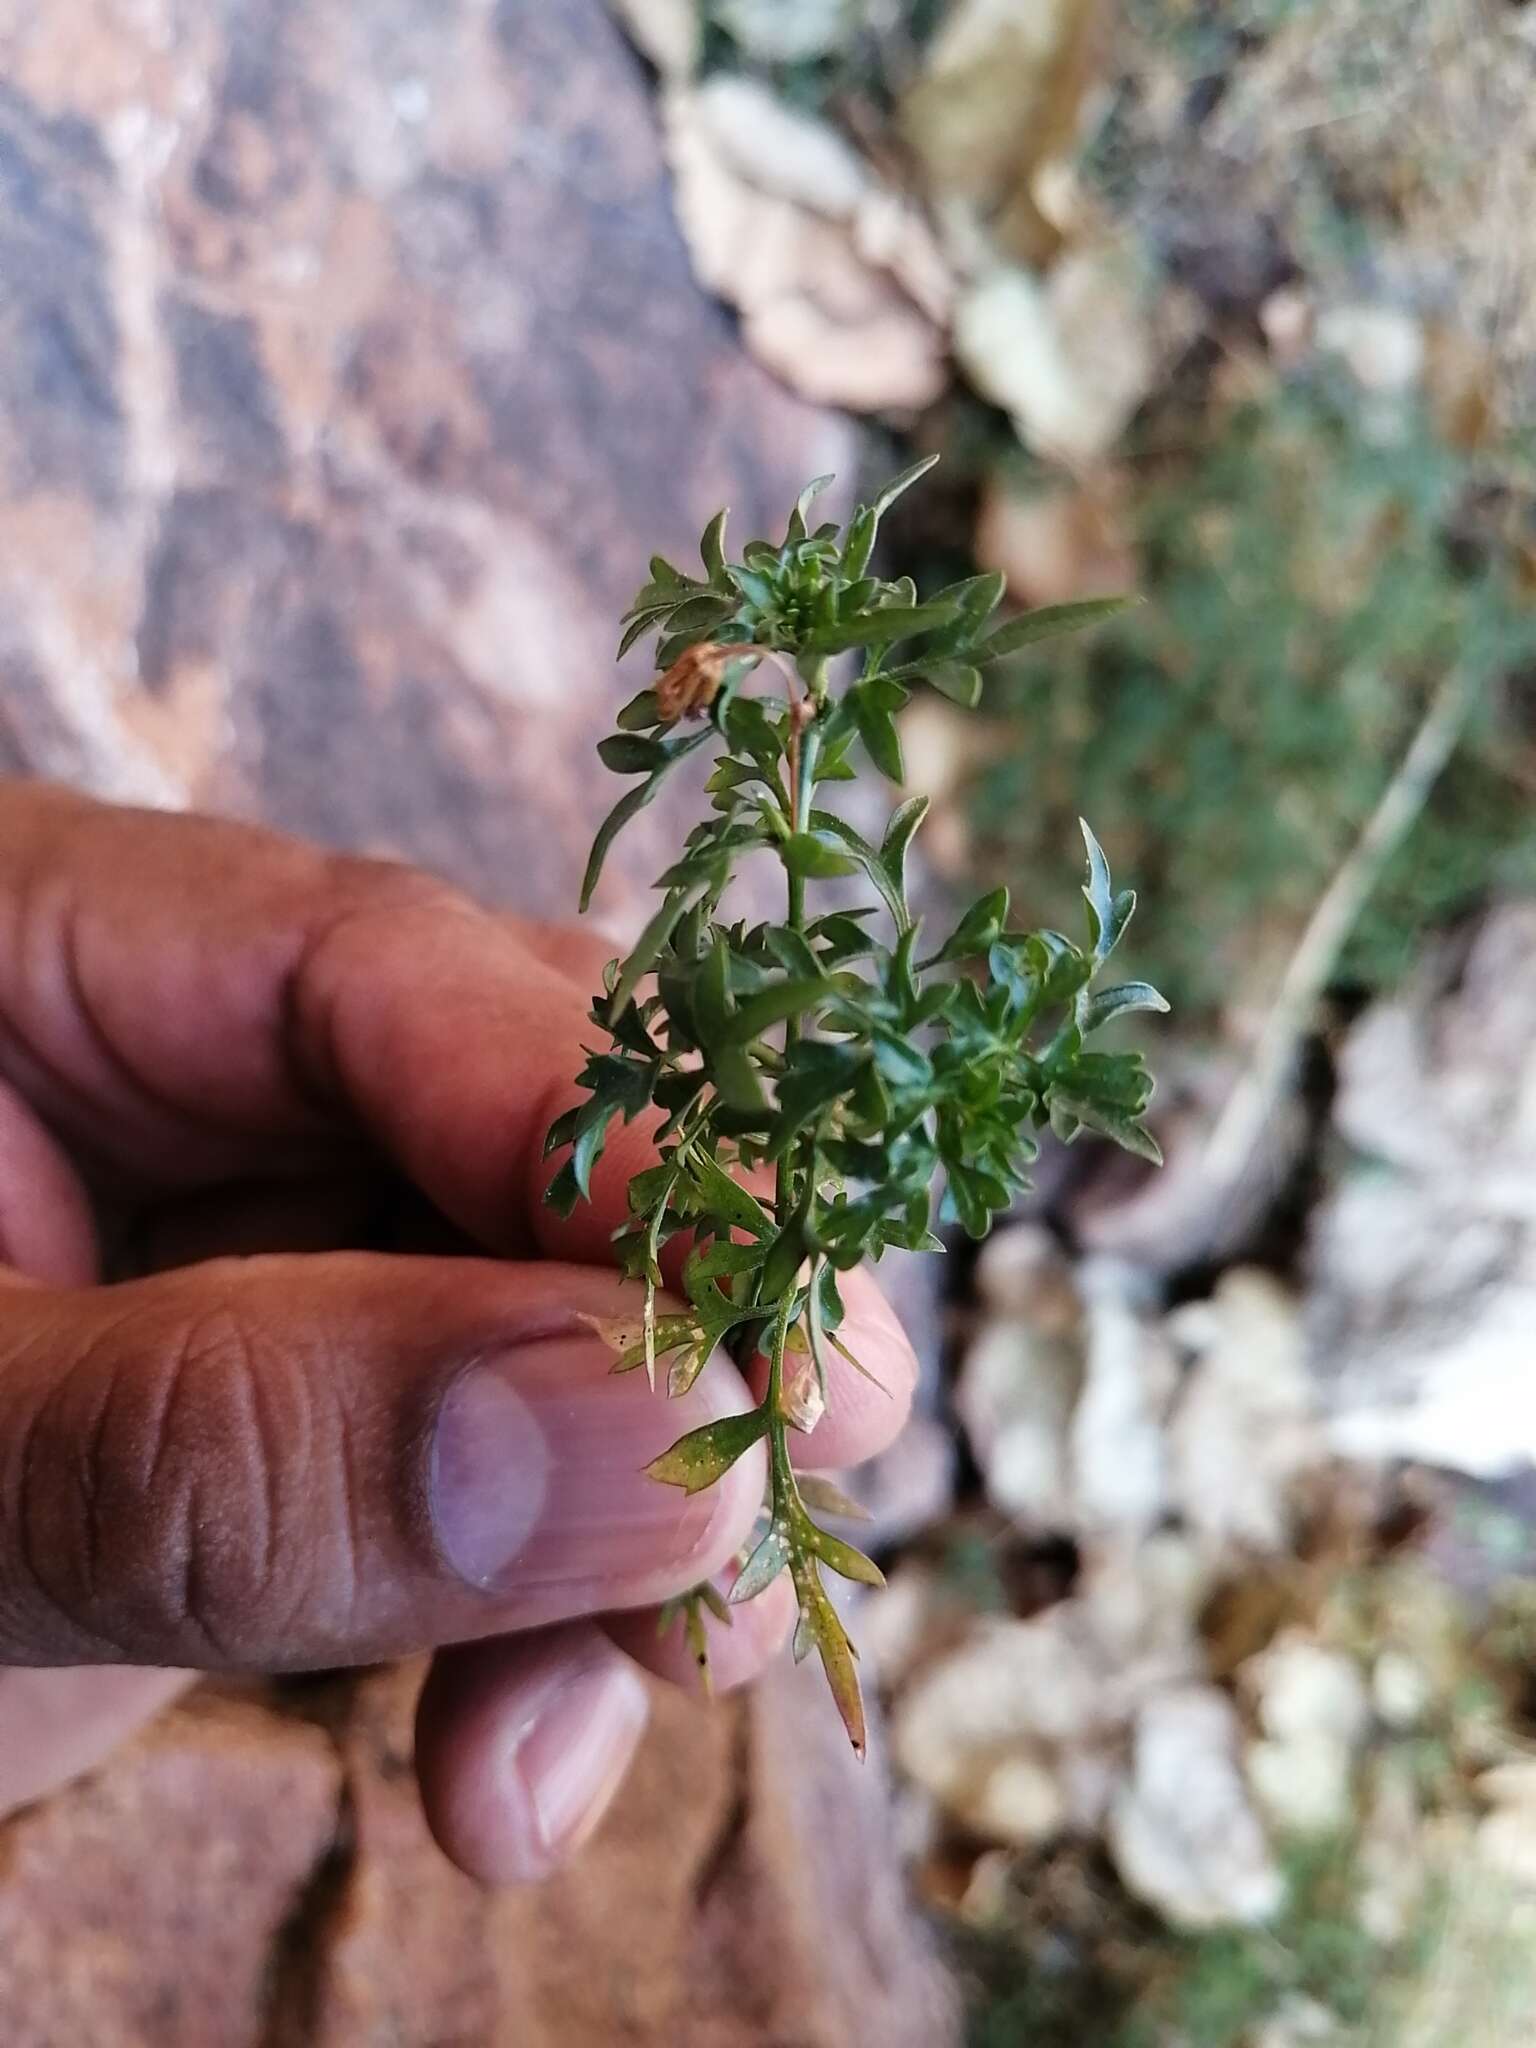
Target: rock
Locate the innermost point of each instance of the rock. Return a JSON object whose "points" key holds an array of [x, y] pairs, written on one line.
{"points": [[348, 560], [992, 113], [1061, 543], [1304, 1785], [1423, 1274], [1069, 360], [1118, 1453], [667, 31], [1300, 1688], [1381, 346], [1182, 1833], [1401, 1691], [1244, 1433], [788, 31], [840, 288], [1015, 1397]]}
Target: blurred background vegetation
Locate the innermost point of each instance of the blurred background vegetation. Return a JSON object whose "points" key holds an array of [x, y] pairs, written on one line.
{"points": [[1233, 306]]}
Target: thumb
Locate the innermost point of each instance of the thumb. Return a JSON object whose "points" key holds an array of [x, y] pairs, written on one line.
{"points": [[296, 1462]]}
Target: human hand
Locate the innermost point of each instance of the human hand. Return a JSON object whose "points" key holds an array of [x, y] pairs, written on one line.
{"points": [[336, 1401]]}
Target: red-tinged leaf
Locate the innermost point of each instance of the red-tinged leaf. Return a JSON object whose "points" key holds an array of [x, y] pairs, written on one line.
{"points": [[821, 1627], [704, 1455]]}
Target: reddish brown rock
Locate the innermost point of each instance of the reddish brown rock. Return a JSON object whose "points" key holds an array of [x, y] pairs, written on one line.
{"points": [[350, 370]]}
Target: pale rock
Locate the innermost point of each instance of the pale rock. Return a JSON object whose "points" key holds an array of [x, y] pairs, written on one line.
{"points": [[790, 31], [1401, 1691], [1300, 1688], [1144, 1596], [1018, 1801], [779, 151], [1423, 1282], [992, 116], [1244, 1432], [1506, 1844], [1069, 360], [1016, 1396], [1183, 1833], [1510, 1785], [1303, 1785], [666, 32], [1312, 1706], [1382, 346], [1391, 1850], [836, 277], [1288, 322], [1021, 1270], [896, 1619], [1119, 1476], [994, 1729], [1300, 2023]]}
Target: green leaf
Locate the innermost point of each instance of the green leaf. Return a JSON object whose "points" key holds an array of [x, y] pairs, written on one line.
{"points": [[898, 837], [754, 587], [880, 628], [1108, 913], [725, 1197], [877, 729], [629, 753], [1127, 1131], [860, 543], [629, 805], [1048, 622], [868, 860], [639, 626], [704, 1455], [797, 518], [640, 713], [813, 855], [712, 546], [887, 497], [646, 950], [1117, 1002], [957, 680], [771, 1005], [978, 929]]}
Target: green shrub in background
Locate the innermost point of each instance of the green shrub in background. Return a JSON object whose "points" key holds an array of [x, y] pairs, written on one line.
{"points": [[1310, 573]]}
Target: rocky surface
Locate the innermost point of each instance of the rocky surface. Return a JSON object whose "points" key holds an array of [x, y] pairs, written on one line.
{"points": [[350, 368]]}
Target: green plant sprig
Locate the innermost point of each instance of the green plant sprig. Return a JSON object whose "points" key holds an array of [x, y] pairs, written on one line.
{"points": [[819, 1075]]}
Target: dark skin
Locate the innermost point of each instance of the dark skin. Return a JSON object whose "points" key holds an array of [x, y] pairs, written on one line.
{"points": [[271, 1126]]}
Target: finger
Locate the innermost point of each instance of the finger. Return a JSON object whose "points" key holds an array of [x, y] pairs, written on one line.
{"points": [[303, 1010], [283, 1463], [56, 1724], [521, 1744], [46, 1228]]}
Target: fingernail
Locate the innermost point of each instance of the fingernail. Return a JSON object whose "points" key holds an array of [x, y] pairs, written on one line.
{"points": [[573, 1753], [538, 1479]]}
